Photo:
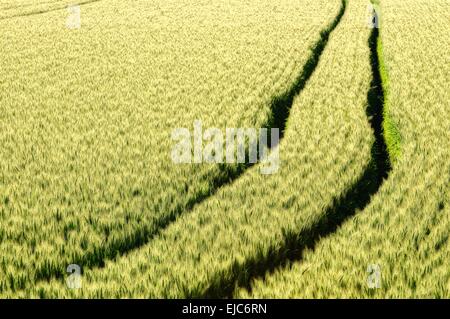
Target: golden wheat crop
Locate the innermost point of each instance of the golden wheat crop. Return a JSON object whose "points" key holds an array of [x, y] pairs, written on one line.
{"points": [[87, 113], [87, 116], [250, 223], [405, 229]]}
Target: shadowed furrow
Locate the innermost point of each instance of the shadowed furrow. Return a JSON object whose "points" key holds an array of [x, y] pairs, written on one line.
{"points": [[355, 199], [280, 107], [208, 252], [91, 156], [397, 247]]}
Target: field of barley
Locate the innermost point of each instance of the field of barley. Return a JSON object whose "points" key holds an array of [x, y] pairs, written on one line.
{"points": [[355, 205]]}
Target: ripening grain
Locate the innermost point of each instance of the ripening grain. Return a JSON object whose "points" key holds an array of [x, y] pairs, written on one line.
{"points": [[86, 117], [86, 175], [327, 148], [406, 228]]}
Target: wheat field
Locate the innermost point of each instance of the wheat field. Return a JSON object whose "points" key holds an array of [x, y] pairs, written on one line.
{"points": [[87, 115]]}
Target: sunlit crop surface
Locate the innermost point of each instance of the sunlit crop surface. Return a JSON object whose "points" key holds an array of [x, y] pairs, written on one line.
{"points": [[91, 93]]}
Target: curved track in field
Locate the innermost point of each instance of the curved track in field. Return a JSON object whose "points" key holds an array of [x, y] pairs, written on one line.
{"points": [[280, 107], [355, 199]]}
